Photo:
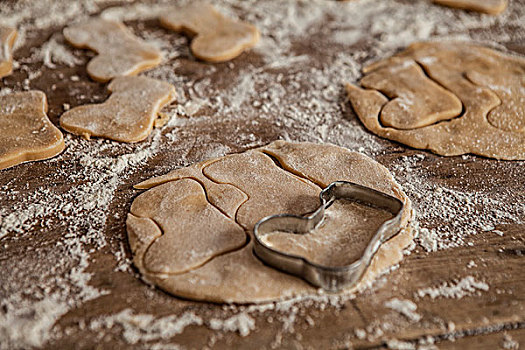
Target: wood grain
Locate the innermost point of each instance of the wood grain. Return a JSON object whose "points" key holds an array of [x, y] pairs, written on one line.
{"points": [[478, 320]]}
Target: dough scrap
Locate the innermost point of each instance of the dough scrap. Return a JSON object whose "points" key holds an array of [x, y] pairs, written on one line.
{"points": [[120, 53], [26, 134], [282, 177], [128, 115], [491, 7], [7, 40], [218, 38], [489, 84]]}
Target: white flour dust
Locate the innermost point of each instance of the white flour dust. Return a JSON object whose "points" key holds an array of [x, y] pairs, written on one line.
{"points": [[296, 87]]}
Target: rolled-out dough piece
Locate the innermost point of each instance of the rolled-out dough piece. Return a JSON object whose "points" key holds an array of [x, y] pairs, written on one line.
{"points": [[7, 40], [489, 84], [26, 134], [282, 177], [175, 251], [120, 53], [492, 7], [218, 38], [128, 115], [416, 101], [330, 244]]}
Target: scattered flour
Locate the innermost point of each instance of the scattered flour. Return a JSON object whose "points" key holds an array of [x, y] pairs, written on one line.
{"points": [[241, 323], [509, 343], [27, 324], [464, 287], [146, 328], [301, 97], [406, 308], [460, 213], [428, 239], [56, 51], [400, 345]]}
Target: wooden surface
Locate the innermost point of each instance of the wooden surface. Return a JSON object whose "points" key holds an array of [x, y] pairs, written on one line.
{"points": [[479, 320]]}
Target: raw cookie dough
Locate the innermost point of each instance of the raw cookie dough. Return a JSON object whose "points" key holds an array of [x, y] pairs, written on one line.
{"points": [[7, 40], [492, 7], [191, 232], [119, 51], [26, 133], [128, 115], [449, 97], [218, 38]]}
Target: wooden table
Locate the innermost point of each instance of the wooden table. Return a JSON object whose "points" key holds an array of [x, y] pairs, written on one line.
{"points": [[49, 267]]}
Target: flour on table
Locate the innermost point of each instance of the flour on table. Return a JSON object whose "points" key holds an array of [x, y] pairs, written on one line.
{"points": [[300, 97], [466, 286], [406, 308]]}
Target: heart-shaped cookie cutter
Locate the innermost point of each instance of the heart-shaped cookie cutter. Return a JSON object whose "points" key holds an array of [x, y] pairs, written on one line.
{"points": [[331, 278]]}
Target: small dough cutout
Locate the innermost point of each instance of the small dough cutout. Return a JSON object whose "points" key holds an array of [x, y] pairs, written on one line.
{"points": [[7, 40], [449, 97], [26, 134], [191, 232], [120, 53], [491, 7], [128, 115], [218, 38]]}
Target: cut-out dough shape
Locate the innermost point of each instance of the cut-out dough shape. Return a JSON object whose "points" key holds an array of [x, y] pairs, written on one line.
{"points": [[26, 134], [120, 53], [7, 40], [489, 84], [191, 232], [491, 7], [218, 38], [416, 100], [128, 115]]}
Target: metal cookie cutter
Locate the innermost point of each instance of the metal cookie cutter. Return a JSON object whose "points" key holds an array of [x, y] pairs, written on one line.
{"points": [[331, 278]]}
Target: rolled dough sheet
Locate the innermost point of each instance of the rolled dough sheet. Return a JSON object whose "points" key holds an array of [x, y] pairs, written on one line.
{"points": [[449, 97], [191, 232]]}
